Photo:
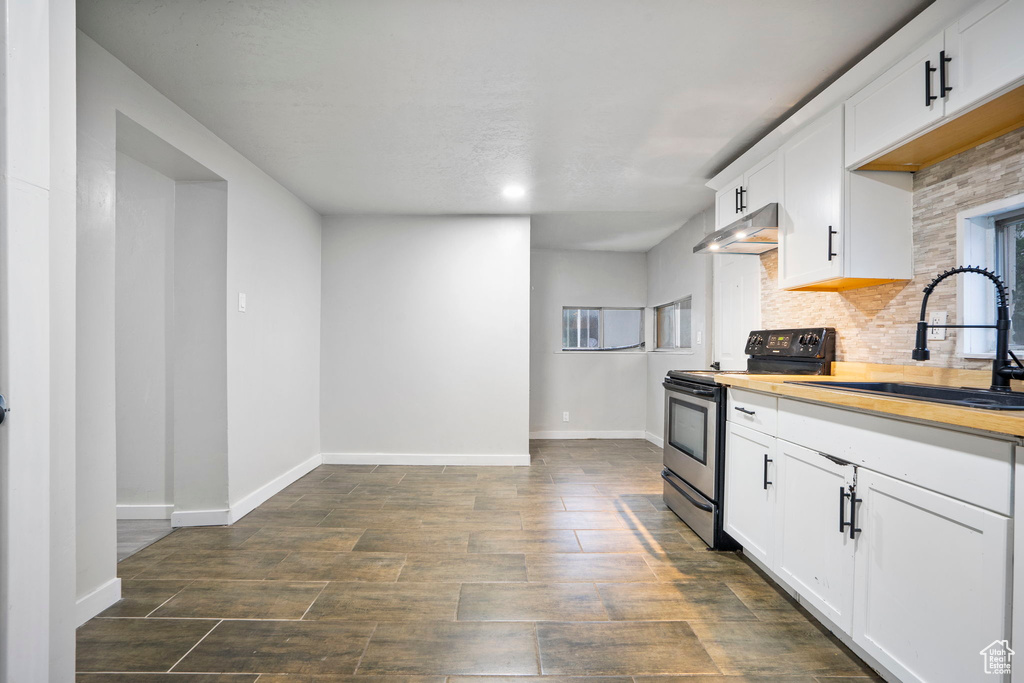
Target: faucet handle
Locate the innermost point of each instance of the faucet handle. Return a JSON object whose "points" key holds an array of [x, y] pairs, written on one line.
{"points": [[1015, 359]]}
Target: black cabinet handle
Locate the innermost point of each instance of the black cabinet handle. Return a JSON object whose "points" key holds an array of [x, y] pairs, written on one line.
{"points": [[928, 96], [736, 200], [831, 233], [943, 61], [843, 495], [853, 512], [766, 461], [744, 410], [743, 199]]}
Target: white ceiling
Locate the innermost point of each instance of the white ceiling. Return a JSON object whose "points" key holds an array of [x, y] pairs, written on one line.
{"points": [[613, 113]]}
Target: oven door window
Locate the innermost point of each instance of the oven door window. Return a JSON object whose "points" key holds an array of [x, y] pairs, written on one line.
{"points": [[687, 429]]}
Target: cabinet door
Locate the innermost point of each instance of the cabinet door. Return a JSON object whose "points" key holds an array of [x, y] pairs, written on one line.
{"points": [[737, 310], [986, 52], [727, 205], [750, 490], [813, 550], [812, 186], [931, 581], [893, 106], [761, 184]]}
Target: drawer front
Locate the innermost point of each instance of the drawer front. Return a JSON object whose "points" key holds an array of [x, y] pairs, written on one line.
{"points": [[753, 410], [971, 468]]}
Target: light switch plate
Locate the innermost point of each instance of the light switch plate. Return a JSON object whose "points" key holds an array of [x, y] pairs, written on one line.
{"points": [[241, 302], [937, 318]]}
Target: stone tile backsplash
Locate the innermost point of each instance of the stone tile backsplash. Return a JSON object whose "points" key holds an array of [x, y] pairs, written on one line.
{"points": [[876, 324]]}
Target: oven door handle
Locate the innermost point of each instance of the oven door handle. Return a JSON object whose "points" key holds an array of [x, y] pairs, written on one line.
{"points": [[696, 503], [707, 393]]}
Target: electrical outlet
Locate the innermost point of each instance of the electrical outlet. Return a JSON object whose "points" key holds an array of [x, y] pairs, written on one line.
{"points": [[565, 416], [699, 336], [937, 318]]}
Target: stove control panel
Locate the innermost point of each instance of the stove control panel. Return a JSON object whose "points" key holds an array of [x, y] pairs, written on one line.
{"points": [[805, 342]]}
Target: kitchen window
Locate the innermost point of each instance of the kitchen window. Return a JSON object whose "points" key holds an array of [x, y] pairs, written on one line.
{"points": [[992, 236], [672, 323], [602, 329]]}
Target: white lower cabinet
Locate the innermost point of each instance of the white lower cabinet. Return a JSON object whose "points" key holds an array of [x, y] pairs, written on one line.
{"points": [[813, 544], [750, 490], [931, 582]]}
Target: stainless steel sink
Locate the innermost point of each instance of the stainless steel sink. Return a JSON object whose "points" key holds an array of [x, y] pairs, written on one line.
{"points": [[965, 397]]}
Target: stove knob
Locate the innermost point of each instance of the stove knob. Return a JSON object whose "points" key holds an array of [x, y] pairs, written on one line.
{"points": [[803, 340], [813, 339]]}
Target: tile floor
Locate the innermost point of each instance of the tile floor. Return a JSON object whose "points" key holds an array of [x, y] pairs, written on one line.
{"points": [[570, 568], [135, 534]]}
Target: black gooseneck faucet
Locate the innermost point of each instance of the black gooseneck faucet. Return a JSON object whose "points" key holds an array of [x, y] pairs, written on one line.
{"points": [[1002, 370]]}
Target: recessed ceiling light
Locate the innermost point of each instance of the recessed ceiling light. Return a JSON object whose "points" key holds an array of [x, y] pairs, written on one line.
{"points": [[714, 247], [513, 192]]}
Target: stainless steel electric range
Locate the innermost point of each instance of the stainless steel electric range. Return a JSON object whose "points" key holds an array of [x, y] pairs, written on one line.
{"points": [[695, 417]]}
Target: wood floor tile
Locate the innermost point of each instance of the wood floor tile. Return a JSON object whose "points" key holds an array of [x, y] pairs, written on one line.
{"points": [[303, 539], [462, 567], [547, 541], [653, 520], [413, 541], [165, 678], [672, 601], [726, 679], [333, 501], [352, 566], [472, 520], [540, 679], [132, 566], [377, 519], [207, 538], [214, 564], [588, 567], [386, 602], [530, 602], [451, 648], [622, 648], [286, 517], [776, 649], [522, 503], [280, 647], [140, 597], [631, 541], [341, 678], [242, 600], [702, 565], [599, 519], [596, 503], [136, 644]]}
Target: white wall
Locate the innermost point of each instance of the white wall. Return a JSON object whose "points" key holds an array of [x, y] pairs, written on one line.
{"points": [[272, 350], [425, 339], [605, 393], [674, 272], [143, 304]]}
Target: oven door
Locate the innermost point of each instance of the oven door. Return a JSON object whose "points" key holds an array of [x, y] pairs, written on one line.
{"points": [[691, 428]]}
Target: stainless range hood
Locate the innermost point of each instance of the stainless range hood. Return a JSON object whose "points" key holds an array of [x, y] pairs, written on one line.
{"points": [[755, 233]]}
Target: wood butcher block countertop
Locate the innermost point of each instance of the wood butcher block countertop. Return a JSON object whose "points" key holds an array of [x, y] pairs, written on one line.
{"points": [[1009, 422]]}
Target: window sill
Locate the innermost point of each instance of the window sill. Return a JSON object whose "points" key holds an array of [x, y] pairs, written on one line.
{"points": [[601, 353], [675, 352]]}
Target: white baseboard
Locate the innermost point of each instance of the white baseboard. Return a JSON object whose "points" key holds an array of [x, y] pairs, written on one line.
{"points": [[656, 440], [423, 459], [264, 493], [91, 604], [623, 434], [201, 518], [144, 511]]}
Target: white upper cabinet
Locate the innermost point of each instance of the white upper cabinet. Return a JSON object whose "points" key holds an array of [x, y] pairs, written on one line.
{"points": [[986, 52], [839, 229], [755, 188], [931, 581], [727, 204], [895, 105], [978, 57]]}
